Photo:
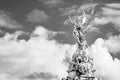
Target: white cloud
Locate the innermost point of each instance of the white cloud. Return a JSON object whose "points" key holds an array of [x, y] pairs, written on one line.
{"points": [[19, 58], [68, 10], [52, 3], [101, 21], [7, 22], [75, 9], [107, 68], [110, 12], [88, 6], [113, 44], [112, 16], [113, 5], [109, 15]]}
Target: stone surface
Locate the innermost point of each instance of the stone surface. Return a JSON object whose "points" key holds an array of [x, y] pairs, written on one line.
{"points": [[81, 65]]}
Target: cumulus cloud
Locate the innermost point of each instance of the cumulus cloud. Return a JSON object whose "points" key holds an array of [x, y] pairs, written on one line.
{"points": [[44, 58], [107, 68], [19, 58], [113, 44], [37, 16], [7, 21]]}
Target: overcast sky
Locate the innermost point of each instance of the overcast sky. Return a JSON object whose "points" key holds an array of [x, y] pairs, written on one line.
{"points": [[34, 41]]}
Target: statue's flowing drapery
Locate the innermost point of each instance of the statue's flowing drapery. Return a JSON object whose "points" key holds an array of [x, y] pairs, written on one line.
{"points": [[81, 65]]}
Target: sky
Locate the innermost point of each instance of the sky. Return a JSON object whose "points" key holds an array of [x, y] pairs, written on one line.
{"points": [[35, 41]]}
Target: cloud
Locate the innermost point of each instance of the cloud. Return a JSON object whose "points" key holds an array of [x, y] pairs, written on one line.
{"points": [[52, 3], [113, 5], [6, 21], [43, 76], [94, 29], [107, 68], [113, 44], [101, 21], [75, 9], [37, 16], [68, 10], [88, 6], [109, 14], [41, 57], [20, 58]]}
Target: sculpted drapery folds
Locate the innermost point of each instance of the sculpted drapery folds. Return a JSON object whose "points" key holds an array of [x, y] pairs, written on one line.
{"points": [[81, 65]]}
